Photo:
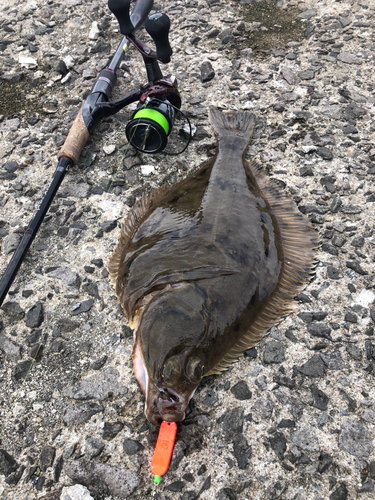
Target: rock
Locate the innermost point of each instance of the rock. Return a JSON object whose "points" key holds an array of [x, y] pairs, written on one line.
{"points": [[289, 76], [325, 461], [76, 492], [100, 386], [69, 278], [10, 348], [355, 265], [273, 352], [307, 74], [314, 367], [108, 225], [233, 423], [354, 352], [82, 307], [307, 14], [110, 149], [131, 446], [177, 455], [355, 438], [262, 409], [324, 153], [210, 398], [241, 451], [226, 494], [333, 273], [341, 493], [7, 463], [348, 58], [319, 330], [13, 310], [11, 243], [333, 360], [46, 458], [103, 479], [93, 447], [81, 190], [241, 391], [111, 429], [91, 289], [20, 371], [35, 316], [78, 414], [306, 439], [175, 486], [278, 444], [320, 399], [207, 72]]}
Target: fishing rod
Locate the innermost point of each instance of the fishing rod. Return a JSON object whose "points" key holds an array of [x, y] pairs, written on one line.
{"points": [[148, 130]]}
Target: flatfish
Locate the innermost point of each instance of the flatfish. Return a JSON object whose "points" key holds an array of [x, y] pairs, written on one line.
{"points": [[205, 267]]}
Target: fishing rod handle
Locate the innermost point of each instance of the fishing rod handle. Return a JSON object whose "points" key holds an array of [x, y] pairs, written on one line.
{"points": [[140, 12], [76, 140], [157, 26]]}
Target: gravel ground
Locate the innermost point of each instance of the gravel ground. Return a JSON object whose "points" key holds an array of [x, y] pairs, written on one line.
{"points": [[294, 418]]}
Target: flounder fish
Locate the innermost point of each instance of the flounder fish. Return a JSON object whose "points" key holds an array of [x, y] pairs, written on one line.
{"points": [[205, 267]]}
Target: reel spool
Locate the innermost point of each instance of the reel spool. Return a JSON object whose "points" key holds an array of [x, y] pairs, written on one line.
{"points": [[152, 124]]}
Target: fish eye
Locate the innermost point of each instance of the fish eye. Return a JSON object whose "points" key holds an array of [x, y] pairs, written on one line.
{"points": [[172, 370], [195, 369]]}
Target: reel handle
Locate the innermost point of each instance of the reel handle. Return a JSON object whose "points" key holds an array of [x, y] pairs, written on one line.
{"points": [[157, 26], [120, 8], [129, 23]]}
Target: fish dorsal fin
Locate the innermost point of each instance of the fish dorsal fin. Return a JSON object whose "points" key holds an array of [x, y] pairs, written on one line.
{"points": [[140, 211], [298, 242]]}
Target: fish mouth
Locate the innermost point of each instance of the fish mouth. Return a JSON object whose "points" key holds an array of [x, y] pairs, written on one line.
{"points": [[165, 404]]}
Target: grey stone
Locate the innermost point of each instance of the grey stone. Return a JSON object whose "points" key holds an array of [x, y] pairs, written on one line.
{"points": [[324, 153], [7, 463], [131, 446], [103, 479], [91, 289], [20, 371], [46, 458], [66, 325], [262, 409], [341, 493], [325, 461], [307, 74], [82, 307], [210, 398], [273, 352], [177, 455], [93, 447], [348, 58], [320, 399], [99, 386], [175, 486], [10, 348], [355, 438], [333, 273], [11, 242], [356, 266], [314, 367], [78, 414], [354, 351], [81, 190], [111, 429], [75, 492], [306, 439], [289, 76], [35, 316], [241, 391], [333, 360], [207, 72], [108, 225], [319, 330], [233, 423], [278, 444], [69, 278], [307, 14], [226, 494], [241, 451]]}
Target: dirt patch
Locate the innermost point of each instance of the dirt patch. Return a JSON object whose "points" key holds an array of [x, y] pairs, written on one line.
{"points": [[20, 96], [276, 25]]}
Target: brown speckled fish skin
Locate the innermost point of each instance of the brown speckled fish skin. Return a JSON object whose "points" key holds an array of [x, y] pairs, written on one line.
{"points": [[204, 268]]}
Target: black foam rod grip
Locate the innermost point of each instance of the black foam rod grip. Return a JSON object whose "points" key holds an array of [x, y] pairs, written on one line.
{"points": [[120, 8], [157, 26], [141, 10]]}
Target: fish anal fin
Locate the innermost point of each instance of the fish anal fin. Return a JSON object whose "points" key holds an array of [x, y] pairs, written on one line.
{"points": [[299, 241]]}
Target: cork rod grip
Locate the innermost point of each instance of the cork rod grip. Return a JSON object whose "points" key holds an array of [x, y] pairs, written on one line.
{"points": [[76, 140]]}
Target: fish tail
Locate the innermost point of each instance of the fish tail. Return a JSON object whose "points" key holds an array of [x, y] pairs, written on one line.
{"points": [[232, 124]]}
